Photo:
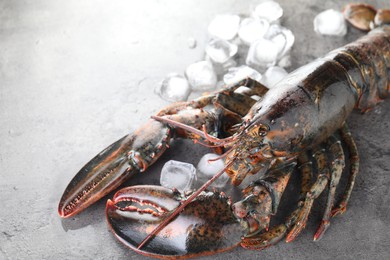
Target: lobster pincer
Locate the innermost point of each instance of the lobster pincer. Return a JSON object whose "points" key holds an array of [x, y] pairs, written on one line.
{"points": [[205, 226], [107, 170]]}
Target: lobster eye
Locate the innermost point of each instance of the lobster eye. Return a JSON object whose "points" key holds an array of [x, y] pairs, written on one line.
{"points": [[263, 130]]}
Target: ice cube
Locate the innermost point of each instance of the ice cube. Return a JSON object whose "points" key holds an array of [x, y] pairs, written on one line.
{"points": [[174, 88], [236, 74], [252, 29], [201, 76], [262, 53], [273, 75], [285, 61], [282, 37], [220, 51], [269, 10], [330, 22], [206, 170], [224, 26], [179, 175]]}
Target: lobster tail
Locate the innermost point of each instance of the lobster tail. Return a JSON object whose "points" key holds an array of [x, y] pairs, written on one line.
{"points": [[367, 60], [367, 64]]}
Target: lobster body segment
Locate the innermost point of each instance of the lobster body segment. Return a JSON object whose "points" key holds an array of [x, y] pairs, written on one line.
{"points": [[308, 108], [312, 102]]}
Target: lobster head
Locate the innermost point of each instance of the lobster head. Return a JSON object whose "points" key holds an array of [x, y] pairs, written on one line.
{"points": [[206, 226], [250, 152]]}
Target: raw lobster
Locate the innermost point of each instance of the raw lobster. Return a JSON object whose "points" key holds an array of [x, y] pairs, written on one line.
{"points": [[302, 117]]}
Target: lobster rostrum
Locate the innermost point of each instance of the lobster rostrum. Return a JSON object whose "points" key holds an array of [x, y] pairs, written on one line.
{"points": [[298, 124]]}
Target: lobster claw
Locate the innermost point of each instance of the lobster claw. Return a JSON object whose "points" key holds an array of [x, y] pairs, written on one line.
{"points": [[110, 168], [205, 226], [97, 178]]}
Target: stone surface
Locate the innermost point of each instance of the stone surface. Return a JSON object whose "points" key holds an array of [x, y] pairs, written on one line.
{"points": [[77, 75]]}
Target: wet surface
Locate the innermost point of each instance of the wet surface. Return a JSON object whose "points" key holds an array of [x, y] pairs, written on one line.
{"points": [[75, 77]]}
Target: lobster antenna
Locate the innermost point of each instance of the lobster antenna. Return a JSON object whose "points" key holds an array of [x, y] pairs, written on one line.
{"points": [[181, 207], [181, 125], [196, 141], [193, 130], [223, 155], [213, 139]]}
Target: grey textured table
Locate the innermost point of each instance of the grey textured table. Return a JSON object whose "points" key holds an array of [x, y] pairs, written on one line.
{"points": [[77, 75]]}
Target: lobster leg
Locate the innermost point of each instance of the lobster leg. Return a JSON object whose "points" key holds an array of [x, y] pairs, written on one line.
{"points": [[354, 169], [337, 167], [254, 87], [261, 201], [306, 171], [273, 235], [267, 239], [315, 190], [309, 192], [233, 104], [276, 233], [230, 109]]}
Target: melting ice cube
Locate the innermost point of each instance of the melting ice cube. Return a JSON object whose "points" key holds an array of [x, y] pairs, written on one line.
{"points": [[178, 175], [220, 51], [285, 61], [282, 37], [174, 88], [262, 53], [224, 26], [201, 76], [269, 10], [330, 22], [236, 74], [273, 75], [252, 29], [206, 170]]}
